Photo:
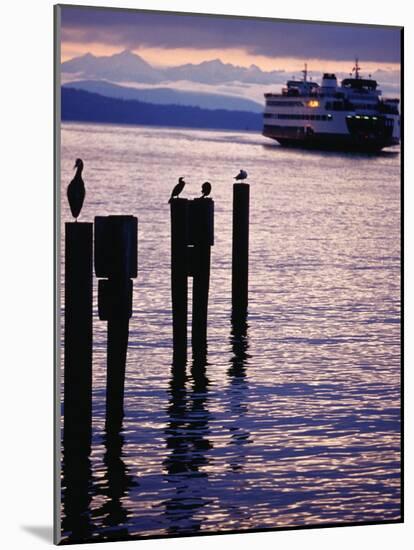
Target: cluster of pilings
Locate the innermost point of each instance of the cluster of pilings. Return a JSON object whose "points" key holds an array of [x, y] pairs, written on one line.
{"points": [[111, 245], [192, 236], [115, 259]]}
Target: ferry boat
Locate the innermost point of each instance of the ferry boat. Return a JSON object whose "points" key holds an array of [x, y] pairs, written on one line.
{"points": [[352, 116]]}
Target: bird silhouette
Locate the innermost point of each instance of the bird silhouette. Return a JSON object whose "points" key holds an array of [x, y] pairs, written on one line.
{"points": [[76, 190], [242, 175], [206, 189], [177, 189]]}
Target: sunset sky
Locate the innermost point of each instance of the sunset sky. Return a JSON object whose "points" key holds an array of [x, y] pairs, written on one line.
{"points": [[168, 40]]}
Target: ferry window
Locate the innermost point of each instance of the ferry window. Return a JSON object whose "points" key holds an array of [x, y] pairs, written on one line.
{"points": [[275, 103]]}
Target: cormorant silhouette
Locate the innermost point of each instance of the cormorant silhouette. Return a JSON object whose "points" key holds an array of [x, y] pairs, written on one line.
{"points": [[206, 189], [76, 190], [177, 189], [242, 175]]}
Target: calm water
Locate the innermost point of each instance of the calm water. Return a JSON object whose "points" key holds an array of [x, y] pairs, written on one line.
{"points": [[295, 420]]}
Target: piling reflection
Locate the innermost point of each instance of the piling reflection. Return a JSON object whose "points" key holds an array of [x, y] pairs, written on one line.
{"points": [[199, 414], [116, 484], [238, 390], [187, 439], [82, 520], [239, 345], [175, 439], [76, 493]]}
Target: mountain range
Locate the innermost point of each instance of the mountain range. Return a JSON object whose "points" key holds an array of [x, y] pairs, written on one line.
{"points": [[167, 96], [130, 67]]}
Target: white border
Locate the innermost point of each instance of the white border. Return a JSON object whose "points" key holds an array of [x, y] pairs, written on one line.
{"points": [[27, 271]]}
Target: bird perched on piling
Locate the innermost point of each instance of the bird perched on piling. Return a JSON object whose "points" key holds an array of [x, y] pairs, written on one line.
{"points": [[205, 189], [242, 175], [76, 190], [177, 189]]}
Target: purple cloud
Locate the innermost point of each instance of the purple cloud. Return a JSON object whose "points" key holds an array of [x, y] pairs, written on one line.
{"points": [[272, 38]]}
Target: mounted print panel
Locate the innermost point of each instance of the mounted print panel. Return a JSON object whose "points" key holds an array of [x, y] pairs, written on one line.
{"points": [[229, 274]]}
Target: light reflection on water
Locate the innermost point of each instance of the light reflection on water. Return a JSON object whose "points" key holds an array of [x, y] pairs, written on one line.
{"points": [[294, 420]]}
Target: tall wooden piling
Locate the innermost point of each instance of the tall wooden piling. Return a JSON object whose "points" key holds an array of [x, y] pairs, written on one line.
{"points": [[78, 335], [201, 237], [179, 273], [240, 252], [116, 260]]}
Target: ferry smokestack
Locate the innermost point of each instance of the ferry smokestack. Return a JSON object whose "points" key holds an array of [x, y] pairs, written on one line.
{"points": [[329, 80]]}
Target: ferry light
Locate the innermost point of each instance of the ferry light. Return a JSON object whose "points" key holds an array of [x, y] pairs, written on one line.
{"points": [[313, 103]]}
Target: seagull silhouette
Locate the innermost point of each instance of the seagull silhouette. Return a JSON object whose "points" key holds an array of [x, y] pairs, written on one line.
{"points": [[242, 175], [205, 189], [76, 190], [177, 189]]}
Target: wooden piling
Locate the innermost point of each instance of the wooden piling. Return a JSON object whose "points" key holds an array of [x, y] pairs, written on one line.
{"points": [[240, 252], [78, 335], [179, 272], [118, 330], [116, 259], [201, 237]]}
